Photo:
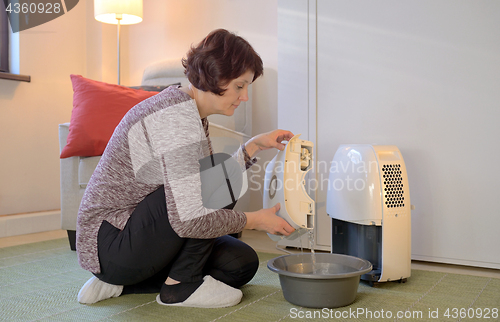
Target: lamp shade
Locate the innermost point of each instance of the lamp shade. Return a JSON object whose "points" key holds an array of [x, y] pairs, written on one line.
{"points": [[110, 11]]}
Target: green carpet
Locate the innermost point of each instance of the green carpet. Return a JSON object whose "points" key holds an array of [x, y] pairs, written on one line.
{"points": [[39, 282]]}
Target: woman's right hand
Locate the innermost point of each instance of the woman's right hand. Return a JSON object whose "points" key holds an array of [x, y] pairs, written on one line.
{"points": [[266, 220]]}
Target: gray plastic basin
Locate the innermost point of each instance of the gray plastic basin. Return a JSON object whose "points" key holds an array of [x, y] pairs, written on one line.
{"points": [[334, 284]]}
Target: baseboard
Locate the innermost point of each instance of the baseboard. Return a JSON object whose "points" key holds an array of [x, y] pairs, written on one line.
{"points": [[30, 223], [455, 261]]}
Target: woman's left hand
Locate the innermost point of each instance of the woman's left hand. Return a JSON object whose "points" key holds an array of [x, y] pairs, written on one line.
{"points": [[268, 140]]}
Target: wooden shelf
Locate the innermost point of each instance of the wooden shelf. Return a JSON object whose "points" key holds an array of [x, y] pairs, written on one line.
{"points": [[15, 77]]}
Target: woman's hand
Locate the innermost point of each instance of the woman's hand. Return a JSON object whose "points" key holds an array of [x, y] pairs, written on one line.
{"points": [[267, 140], [266, 220]]}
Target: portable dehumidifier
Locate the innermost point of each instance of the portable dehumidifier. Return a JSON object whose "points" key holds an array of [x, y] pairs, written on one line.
{"points": [[369, 202]]}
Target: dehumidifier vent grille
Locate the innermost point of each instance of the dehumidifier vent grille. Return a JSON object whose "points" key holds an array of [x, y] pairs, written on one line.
{"points": [[393, 185]]}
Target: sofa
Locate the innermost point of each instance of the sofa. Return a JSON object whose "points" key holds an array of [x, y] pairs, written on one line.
{"points": [[226, 133]]}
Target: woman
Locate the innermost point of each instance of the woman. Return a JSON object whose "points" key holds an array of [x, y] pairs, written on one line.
{"points": [[142, 224]]}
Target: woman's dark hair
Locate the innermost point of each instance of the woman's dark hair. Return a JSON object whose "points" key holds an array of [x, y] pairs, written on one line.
{"points": [[221, 57]]}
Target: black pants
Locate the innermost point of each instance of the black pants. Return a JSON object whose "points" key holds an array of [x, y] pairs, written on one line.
{"points": [[148, 250]]}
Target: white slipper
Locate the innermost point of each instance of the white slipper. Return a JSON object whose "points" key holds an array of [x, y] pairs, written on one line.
{"points": [[96, 290], [211, 294]]}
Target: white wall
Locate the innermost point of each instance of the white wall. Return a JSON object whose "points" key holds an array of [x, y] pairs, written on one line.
{"points": [[424, 76], [30, 112], [76, 43]]}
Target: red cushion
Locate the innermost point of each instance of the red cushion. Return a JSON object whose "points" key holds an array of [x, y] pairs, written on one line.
{"points": [[97, 109]]}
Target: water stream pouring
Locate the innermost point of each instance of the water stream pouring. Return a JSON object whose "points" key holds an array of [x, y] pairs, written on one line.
{"points": [[285, 184]]}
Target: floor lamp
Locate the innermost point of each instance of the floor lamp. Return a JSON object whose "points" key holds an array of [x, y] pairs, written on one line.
{"points": [[118, 12]]}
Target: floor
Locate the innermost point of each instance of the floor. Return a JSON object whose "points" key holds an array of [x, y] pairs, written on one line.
{"points": [[261, 242]]}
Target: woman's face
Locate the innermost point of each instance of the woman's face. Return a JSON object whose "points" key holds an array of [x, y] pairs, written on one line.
{"points": [[236, 92]]}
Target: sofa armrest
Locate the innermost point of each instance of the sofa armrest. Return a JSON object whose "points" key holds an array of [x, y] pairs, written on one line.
{"points": [[63, 135], [71, 193]]}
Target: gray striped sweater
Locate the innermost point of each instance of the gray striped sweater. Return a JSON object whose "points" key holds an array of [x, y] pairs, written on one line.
{"points": [[158, 142]]}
